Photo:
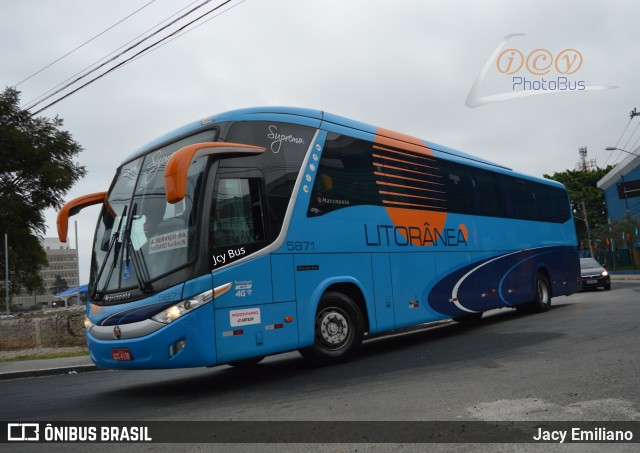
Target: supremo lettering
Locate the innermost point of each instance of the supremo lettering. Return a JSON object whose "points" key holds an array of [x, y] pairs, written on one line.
{"points": [[278, 138], [404, 236]]}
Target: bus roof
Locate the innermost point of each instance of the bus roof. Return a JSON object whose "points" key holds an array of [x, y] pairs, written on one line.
{"points": [[310, 117]]}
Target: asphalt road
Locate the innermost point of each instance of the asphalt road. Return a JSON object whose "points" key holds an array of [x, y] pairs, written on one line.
{"points": [[577, 362]]}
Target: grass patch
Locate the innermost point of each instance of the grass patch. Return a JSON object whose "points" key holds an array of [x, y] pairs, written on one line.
{"points": [[47, 355]]}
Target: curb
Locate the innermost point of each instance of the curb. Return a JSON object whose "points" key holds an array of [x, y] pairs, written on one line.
{"points": [[48, 372]]}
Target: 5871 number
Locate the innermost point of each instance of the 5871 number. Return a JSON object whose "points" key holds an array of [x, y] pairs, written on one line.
{"points": [[300, 246]]}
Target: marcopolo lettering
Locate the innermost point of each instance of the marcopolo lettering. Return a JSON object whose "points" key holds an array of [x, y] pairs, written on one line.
{"points": [[405, 236]]}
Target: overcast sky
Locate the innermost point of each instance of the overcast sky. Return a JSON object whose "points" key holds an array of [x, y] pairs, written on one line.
{"points": [[403, 65]]}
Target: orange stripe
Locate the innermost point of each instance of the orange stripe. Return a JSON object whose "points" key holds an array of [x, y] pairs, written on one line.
{"points": [[417, 156], [407, 187], [407, 195], [398, 140], [410, 204], [410, 171], [379, 156]]}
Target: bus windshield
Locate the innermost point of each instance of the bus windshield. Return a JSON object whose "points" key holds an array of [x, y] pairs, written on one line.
{"points": [[140, 237]]}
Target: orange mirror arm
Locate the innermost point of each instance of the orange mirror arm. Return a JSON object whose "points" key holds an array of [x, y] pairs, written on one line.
{"points": [[175, 173], [73, 207]]}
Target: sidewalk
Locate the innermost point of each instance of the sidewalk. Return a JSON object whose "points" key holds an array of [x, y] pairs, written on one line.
{"points": [[80, 364], [621, 275], [45, 367]]}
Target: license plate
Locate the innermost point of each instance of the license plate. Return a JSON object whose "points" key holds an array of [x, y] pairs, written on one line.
{"points": [[592, 282], [121, 354]]}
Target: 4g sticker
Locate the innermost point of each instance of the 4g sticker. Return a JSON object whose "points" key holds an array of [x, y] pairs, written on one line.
{"points": [[244, 288]]}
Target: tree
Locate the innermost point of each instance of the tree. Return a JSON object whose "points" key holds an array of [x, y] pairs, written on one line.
{"points": [[585, 195], [59, 285], [36, 171]]}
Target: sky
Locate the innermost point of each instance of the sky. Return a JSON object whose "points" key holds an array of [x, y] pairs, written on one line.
{"points": [[403, 65]]}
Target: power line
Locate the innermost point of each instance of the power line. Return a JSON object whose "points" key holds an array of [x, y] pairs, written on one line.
{"points": [[128, 59], [83, 44], [108, 55], [619, 138], [626, 143], [116, 57], [40, 101], [187, 31]]}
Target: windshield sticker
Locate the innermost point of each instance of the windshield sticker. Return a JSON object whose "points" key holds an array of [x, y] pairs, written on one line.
{"points": [[169, 241], [126, 271], [278, 138], [138, 238], [244, 317]]}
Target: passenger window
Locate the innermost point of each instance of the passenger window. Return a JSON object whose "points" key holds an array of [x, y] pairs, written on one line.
{"points": [[237, 213], [345, 176]]}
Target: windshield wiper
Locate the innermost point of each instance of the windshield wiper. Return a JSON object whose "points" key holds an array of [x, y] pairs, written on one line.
{"points": [[114, 240], [139, 264]]}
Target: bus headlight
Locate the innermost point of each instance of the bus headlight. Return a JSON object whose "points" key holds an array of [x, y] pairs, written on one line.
{"points": [[182, 308], [88, 325]]}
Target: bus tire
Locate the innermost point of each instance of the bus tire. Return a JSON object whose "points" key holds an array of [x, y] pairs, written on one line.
{"points": [[338, 327], [469, 318], [542, 301], [247, 363]]}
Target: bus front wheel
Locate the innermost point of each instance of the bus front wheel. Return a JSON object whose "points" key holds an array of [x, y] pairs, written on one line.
{"points": [[339, 329]]}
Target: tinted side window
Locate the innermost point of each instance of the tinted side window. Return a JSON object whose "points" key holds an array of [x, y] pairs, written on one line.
{"points": [[551, 202], [521, 202], [286, 145], [459, 187], [236, 226], [345, 176], [491, 195]]}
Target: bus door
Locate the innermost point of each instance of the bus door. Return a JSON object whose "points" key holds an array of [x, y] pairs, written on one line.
{"points": [[247, 321]]}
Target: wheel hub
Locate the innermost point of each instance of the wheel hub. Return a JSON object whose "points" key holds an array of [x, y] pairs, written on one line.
{"points": [[334, 328]]}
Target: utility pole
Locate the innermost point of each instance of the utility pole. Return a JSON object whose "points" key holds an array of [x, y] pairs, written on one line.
{"points": [[6, 270], [77, 266], [586, 222]]}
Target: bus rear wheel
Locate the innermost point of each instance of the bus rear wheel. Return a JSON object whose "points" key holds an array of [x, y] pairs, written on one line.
{"points": [[542, 300], [339, 328]]}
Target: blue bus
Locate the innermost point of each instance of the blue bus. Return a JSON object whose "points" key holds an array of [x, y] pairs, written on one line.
{"points": [[266, 230]]}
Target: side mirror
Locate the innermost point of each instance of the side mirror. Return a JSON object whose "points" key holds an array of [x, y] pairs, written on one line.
{"points": [[606, 266], [73, 207], [175, 173]]}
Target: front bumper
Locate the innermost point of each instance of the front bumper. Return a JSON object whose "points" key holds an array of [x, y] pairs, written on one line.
{"points": [[596, 281], [152, 351]]}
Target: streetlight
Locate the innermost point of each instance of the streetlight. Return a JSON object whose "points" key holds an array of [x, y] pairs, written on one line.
{"points": [[613, 148]]}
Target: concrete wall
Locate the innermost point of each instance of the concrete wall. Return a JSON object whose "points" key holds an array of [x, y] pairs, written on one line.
{"points": [[51, 329]]}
